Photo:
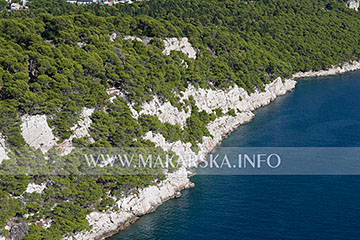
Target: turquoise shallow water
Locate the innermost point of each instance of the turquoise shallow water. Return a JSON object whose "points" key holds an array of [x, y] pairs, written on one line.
{"points": [[321, 112]]}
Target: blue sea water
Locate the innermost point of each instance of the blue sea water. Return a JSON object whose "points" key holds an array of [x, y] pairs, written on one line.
{"points": [[321, 112]]}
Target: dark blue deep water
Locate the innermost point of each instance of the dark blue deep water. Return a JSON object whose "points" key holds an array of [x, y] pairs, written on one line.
{"points": [[323, 112]]}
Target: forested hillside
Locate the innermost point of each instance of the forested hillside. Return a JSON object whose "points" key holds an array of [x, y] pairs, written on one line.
{"points": [[57, 58]]}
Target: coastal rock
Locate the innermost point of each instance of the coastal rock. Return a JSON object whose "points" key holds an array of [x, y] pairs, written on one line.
{"points": [[221, 128], [37, 133], [135, 205], [335, 70], [3, 151], [131, 207], [353, 4]]}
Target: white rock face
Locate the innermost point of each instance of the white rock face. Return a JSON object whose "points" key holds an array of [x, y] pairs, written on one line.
{"points": [[35, 188], [81, 129], [145, 40], [182, 44], [3, 151], [81, 44], [133, 206], [165, 112], [37, 132], [113, 37], [353, 4]]}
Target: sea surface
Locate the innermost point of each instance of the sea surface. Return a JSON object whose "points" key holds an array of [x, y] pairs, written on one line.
{"points": [[320, 112]]}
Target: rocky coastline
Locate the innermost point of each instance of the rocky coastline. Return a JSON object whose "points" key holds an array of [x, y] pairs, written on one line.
{"points": [[106, 224]]}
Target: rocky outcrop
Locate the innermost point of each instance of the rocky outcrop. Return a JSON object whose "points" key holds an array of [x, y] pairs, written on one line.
{"points": [[171, 44], [353, 4], [3, 150], [44, 223], [182, 44], [105, 224], [145, 40], [82, 127], [113, 37], [81, 44], [35, 188], [165, 112], [18, 230], [37, 133]]}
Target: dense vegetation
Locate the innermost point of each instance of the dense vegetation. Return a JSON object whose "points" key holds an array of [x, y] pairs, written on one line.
{"points": [[57, 58]]}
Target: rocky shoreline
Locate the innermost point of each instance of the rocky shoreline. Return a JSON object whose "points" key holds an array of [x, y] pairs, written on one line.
{"points": [[106, 224]]}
